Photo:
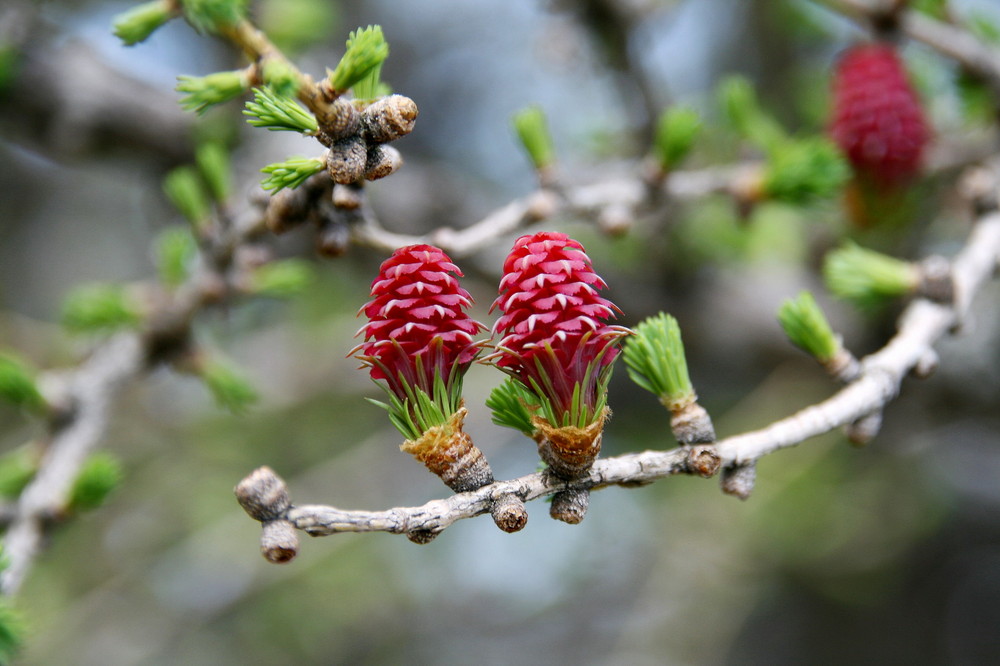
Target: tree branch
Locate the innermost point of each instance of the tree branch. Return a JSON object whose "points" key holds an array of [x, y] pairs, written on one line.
{"points": [[623, 195], [921, 325], [83, 400], [92, 389]]}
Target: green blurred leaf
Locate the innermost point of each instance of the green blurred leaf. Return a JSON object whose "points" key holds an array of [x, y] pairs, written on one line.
{"points": [[231, 390], [135, 25], [937, 9], [13, 631], [17, 383], [866, 277], [17, 469], [800, 171], [284, 278], [186, 191], [281, 77], [98, 308], [99, 476], [213, 163], [209, 16], [806, 326], [10, 61], [297, 24], [742, 109], [676, 132], [205, 91], [533, 131], [176, 250]]}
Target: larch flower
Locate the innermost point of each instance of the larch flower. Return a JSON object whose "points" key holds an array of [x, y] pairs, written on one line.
{"points": [[555, 339], [878, 121], [419, 342]]}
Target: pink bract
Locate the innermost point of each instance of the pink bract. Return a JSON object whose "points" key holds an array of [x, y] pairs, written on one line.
{"points": [[554, 322], [417, 325]]}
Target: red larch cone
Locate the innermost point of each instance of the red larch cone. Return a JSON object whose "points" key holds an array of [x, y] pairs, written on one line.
{"points": [[879, 124], [557, 343]]}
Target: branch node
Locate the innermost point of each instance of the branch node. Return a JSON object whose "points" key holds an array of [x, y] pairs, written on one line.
{"points": [[703, 460], [979, 186], [263, 495], [843, 367]]}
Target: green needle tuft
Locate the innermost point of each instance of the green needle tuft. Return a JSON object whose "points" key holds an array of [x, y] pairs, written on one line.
{"points": [[655, 360], [866, 277], [807, 327]]}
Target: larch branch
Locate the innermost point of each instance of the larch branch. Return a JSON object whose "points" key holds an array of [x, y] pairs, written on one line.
{"points": [[921, 325]]}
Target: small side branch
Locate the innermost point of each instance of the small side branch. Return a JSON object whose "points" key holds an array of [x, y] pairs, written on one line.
{"points": [[91, 392], [626, 195]]}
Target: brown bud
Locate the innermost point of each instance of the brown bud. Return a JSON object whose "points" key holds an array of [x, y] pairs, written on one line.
{"points": [[333, 239], [348, 197], [389, 118], [346, 160], [338, 121], [738, 480], [382, 161], [615, 220], [864, 429], [263, 495], [279, 542], [747, 190], [569, 451], [936, 281], [449, 452], [509, 513], [542, 205], [925, 365], [285, 209], [691, 424], [421, 537], [570, 506]]}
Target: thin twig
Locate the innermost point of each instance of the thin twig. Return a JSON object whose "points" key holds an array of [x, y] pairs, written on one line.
{"points": [[632, 194], [92, 388]]}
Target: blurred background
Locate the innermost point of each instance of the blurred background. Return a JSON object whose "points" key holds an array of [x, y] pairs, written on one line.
{"points": [[887, 554]]}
